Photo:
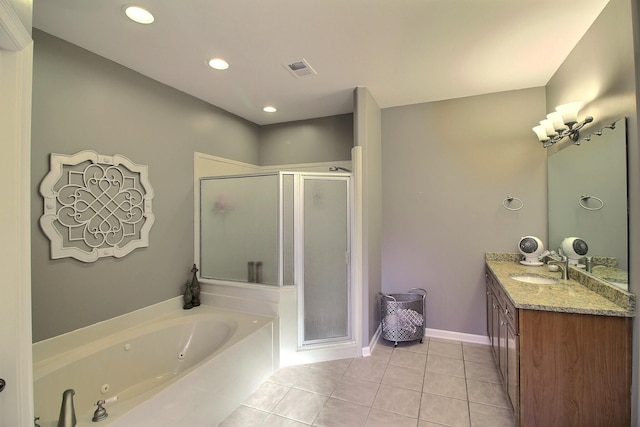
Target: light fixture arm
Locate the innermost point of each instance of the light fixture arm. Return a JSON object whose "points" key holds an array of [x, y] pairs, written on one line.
{"points": [[562, 123]]}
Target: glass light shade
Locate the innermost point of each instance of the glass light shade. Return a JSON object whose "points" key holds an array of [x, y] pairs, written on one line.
{"points": [[218, 64], [569, 111], [558, 123], [139, 15], [548, 127], [540, 133]]}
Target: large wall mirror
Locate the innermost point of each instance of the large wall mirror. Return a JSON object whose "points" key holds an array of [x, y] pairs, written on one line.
{"points": [[587, 185]]}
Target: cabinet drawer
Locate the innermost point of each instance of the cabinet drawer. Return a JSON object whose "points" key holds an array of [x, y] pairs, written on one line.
{"points": [[506, 306]]}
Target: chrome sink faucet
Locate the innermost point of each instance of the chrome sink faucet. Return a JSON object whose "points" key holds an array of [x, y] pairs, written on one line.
{"points": [[590, 264], [563, 263]]}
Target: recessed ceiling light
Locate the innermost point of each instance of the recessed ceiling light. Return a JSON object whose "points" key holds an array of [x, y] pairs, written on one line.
{"points": [[139, 14], [269, 109], [218, 64]]}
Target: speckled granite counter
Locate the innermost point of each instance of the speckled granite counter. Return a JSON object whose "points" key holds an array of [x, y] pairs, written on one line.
{"points": [[580, 294]]}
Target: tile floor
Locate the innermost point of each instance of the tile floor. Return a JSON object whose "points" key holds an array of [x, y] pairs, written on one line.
{"points": [[433, 384]]}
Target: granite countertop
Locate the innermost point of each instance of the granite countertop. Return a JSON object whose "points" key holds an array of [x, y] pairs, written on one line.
{"points": [[575, 295]]}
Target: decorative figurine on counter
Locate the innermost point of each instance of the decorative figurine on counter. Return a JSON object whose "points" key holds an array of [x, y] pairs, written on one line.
{"points": [[195, 287], [188, 297]]}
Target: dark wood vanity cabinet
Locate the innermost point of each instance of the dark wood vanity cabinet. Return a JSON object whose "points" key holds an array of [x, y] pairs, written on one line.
{"points": [[504, 339], [561, 369]]}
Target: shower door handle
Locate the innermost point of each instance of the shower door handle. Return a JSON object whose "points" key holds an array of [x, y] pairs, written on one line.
{"points": [[3, 383]]}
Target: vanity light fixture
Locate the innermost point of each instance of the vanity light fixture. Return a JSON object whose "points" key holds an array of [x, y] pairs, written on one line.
{"points": [[269, 109], [218, 64], [139, 14], [561, 124]]}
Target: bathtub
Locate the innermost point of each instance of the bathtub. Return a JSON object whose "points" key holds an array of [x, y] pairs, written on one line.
{"points": [[184, 367]]}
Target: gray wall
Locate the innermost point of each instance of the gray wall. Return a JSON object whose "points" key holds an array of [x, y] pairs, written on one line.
{"points": [[323, 139], [446, 169], [84, 102], [600, 71]]}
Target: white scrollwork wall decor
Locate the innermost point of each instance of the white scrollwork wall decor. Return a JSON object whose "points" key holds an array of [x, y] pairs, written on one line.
{"points": [[96, 206]]}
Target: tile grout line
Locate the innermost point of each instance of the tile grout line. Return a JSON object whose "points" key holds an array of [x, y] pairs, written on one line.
{"points": [[466, 385]]}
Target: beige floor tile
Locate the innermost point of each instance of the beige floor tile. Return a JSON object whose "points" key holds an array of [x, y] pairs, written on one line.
{"points": [[487, 393], [289, 375], [423, 423], [399, 376], [378, 418], [477, 353], [445, 385], [490, 416], [337, 367], [445, 340], [444, 410], [445, 365], [317, 382], [398, 400], [366, 369], [355, 390], [341, 414], [481, 371], [381, 354], [415, 346], [438, 348], [244, 416], [413, 384], [267, 396], [274, 420], [408, 359], [300, 405]]}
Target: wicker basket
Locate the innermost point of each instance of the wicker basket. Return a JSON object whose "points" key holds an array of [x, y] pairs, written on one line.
{"points": [[402, 315]]}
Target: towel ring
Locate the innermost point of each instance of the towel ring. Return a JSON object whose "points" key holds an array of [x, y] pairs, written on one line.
{"points": [[582, 202], [509, 200]]}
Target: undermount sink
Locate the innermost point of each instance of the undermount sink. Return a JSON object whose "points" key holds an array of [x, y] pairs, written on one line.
{"points": [[536, 280]]}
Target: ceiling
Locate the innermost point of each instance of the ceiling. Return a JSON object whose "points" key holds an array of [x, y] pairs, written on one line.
{"points": [[403, 51]]}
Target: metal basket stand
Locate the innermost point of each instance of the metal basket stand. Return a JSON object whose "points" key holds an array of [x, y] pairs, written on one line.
{"points": [[402, 316]]}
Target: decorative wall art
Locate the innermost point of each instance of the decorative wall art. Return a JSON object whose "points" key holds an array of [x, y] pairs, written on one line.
{"points": [[96, 206]]}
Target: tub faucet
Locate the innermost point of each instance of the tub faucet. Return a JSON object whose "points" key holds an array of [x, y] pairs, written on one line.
{"points": [[563, 264], [67, 411]]}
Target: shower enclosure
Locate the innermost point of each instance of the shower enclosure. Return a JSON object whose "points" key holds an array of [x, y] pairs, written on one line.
{"points": [[284, 229]]}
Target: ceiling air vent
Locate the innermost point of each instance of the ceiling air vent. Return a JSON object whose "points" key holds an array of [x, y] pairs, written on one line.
{"points": [[301, 69]]}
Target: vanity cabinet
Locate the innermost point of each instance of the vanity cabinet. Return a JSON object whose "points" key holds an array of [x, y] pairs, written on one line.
{"points": [[560, 368], [504, 339]]}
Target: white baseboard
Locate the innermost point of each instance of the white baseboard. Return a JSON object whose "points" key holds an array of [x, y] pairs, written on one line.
{"points": [[430, 333], [458, 336], [366, 351]]}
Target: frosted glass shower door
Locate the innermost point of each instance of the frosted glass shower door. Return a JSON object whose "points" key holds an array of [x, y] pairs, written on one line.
{"points": [[325, 291]]}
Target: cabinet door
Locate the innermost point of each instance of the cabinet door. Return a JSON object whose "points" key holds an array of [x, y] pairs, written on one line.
{"points": [[504, 326], [513, 370], [495, 324], [489, 310]]}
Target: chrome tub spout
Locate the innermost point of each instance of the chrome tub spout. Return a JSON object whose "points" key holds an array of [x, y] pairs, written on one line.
{"points": [[67, 411]]}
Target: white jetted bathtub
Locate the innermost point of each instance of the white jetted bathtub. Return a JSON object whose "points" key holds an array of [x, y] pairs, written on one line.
{"points": [[181, 368]]}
